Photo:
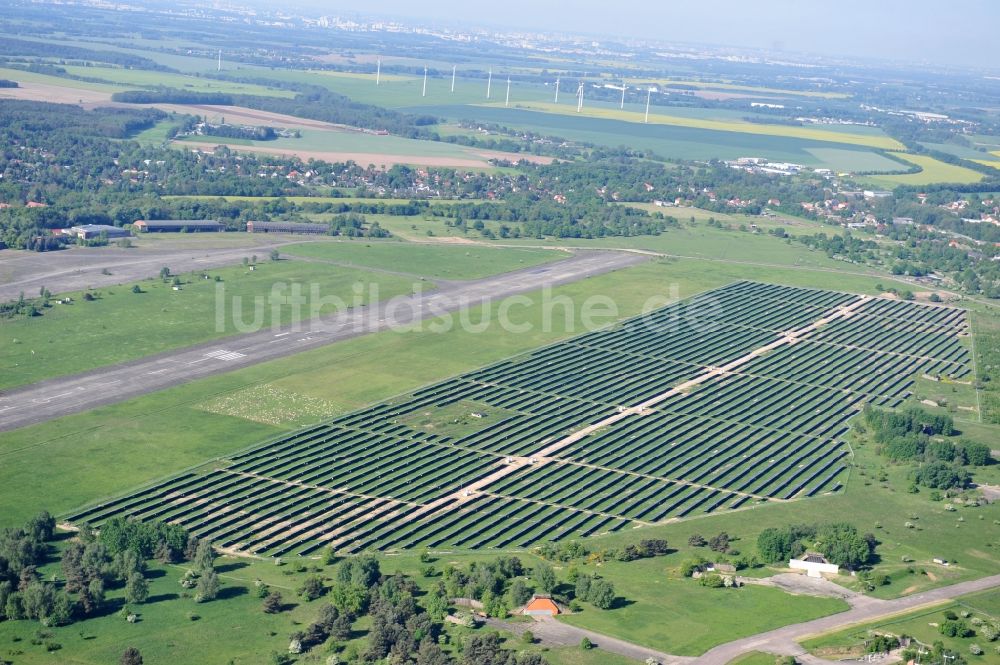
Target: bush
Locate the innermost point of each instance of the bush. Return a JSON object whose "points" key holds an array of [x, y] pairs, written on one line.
{"points": [[586, 644]]}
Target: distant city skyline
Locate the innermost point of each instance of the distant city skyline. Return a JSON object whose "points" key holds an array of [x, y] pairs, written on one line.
{"points": [[913, 31]]}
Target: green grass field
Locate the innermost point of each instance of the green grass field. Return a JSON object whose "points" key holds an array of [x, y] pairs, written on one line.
{"points": [[441, 261], [734, 613], [120, 325]]}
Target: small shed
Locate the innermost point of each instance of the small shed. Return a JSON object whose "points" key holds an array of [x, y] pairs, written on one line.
{"points": [[540, 606]]}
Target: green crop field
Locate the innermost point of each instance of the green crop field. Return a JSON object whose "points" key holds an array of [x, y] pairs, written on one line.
{"points": [[932, 170], [441, 261], [781, 416], [743, 127], [675, 141], [119, 325]]}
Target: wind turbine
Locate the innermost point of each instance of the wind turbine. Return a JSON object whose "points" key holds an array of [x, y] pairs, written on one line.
{"points": [[378, 70], [506, 102], [624, 88], [424, 93], [579, 98], [453, 69], [649, 93], [220, 60], [557, 90], [489, 85]]}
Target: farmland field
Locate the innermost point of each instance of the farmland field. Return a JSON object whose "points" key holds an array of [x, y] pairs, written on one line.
{"points": [[743, 127], [680, 142], [733, 398], [932, 171]]}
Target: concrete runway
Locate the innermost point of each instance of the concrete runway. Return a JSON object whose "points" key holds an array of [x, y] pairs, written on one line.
{"points": [[77, 269], [62, 396]]}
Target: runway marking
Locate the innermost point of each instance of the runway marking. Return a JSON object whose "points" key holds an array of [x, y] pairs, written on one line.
{"points": [[283, 334], [159, 371], [222, 354]]}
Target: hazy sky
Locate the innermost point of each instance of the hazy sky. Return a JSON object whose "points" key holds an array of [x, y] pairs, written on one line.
{"points": [[941, 31]]}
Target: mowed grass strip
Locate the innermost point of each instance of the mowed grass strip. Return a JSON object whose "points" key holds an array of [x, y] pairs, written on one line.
{"points": [[120, 325], [807, 133], [443, 261]]}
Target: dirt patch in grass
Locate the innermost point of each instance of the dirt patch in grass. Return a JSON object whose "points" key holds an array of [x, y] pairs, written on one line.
{"points": [[271, 405]]}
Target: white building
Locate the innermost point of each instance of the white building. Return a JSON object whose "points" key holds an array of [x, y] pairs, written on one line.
{"points": [[814, 565]]}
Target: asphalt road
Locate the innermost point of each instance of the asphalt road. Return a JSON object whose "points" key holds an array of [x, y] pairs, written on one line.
{"points": [[62, 396]]}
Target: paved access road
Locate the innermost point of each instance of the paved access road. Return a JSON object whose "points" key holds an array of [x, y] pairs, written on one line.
{"points": [[62, 396]]}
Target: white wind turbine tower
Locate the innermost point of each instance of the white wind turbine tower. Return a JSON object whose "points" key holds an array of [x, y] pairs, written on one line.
{"points": [[649, 93], [624, 88], [220, 60], [579, 98], [506, 102], [557, 90], [378, 70], [489, 85], [454, 68], [424, 93]]}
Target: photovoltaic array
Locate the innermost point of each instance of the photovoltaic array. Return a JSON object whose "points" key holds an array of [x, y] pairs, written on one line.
{"points": [[734, 397]]}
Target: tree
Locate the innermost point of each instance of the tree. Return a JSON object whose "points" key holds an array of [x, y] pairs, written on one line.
{"points": [[528, 637], [719, 542], [208, 586], [312, 587], [275, 255], [602, 594], [164, 273], [272, 603], [136, 589], [586, 644], [131, 656], [697, 540], [519, 593], [545, 577], [774, 544], [430, 653], [204, 557], [136, 289]]}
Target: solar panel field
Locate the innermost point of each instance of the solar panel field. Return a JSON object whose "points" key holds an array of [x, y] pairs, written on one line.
{"points": [[732, 398]]}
